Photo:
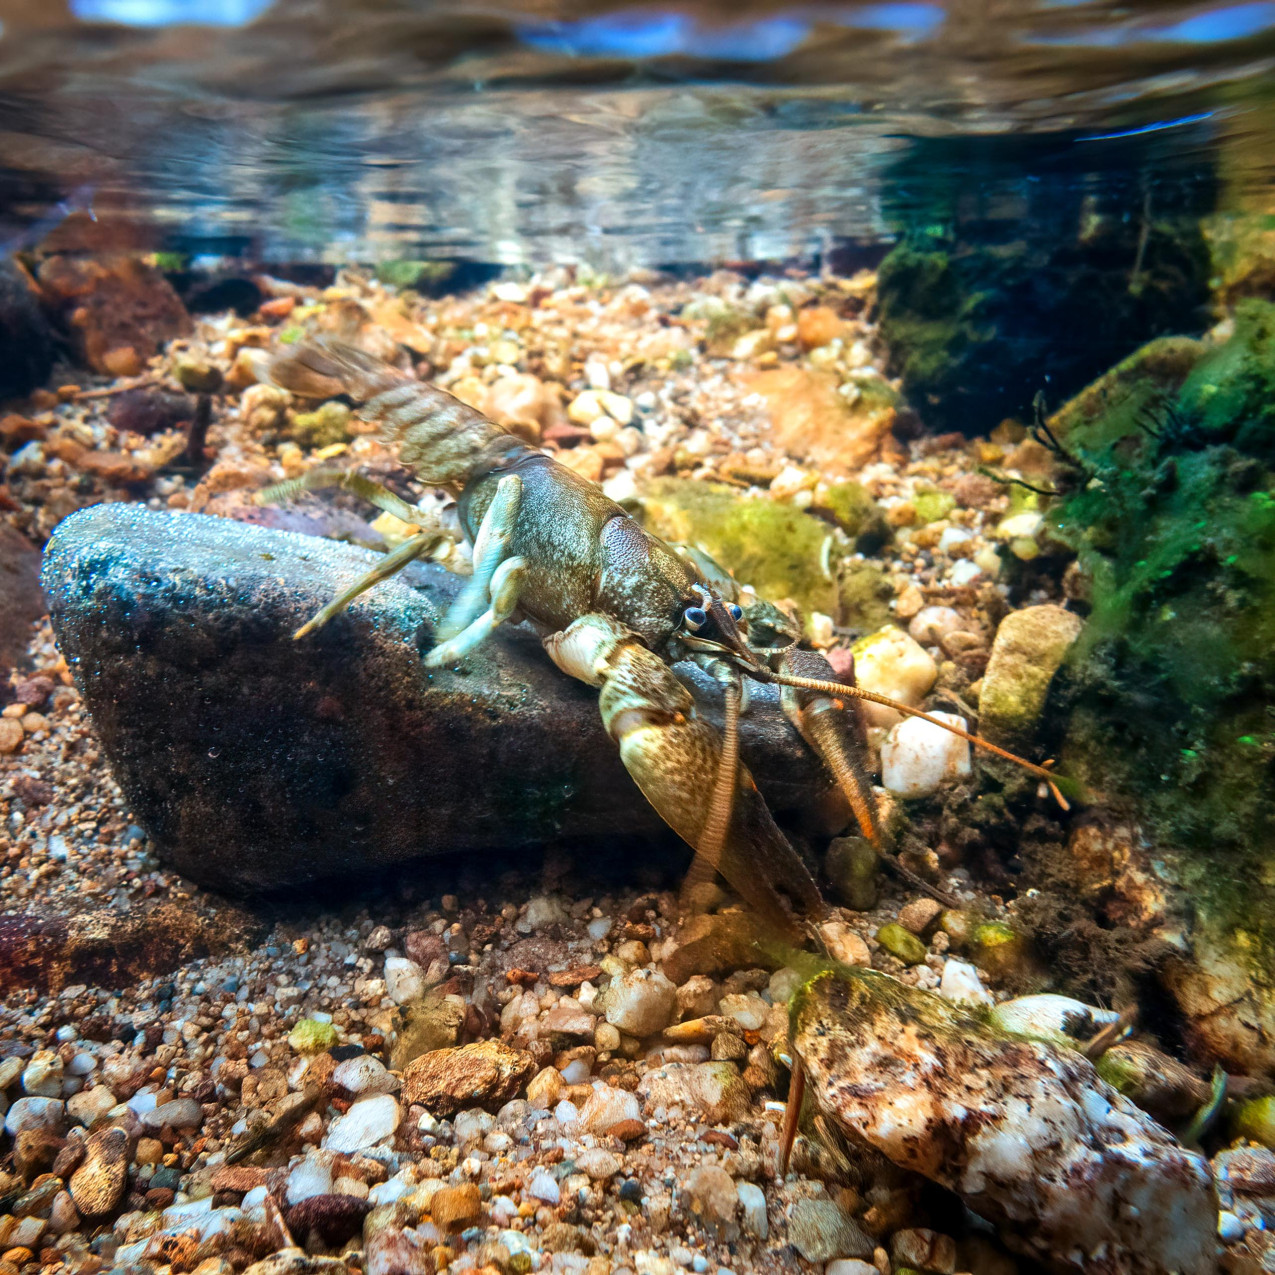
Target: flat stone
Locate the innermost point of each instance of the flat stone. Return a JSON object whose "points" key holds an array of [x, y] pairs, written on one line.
{"points": [[1025, 1133], [487, 1073], [257, 763], [821, 1230], [713, 1091]]}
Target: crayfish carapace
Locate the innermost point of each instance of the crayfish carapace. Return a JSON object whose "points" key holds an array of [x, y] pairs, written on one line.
{"points": [[615, 607]]}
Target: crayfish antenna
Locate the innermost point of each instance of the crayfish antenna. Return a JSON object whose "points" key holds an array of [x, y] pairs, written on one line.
{"points": [[857, 692], [792, 1114]]}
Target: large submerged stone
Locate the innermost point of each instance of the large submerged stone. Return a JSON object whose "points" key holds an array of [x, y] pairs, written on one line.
{"points": [[1026, 1134], [257, 762]]}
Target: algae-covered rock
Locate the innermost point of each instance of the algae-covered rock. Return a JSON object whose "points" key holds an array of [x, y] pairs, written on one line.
{"points": [[853, 868], [1029, 648], [932, 504], [1005, 954], [901, 944], [1255, 1119], [310, 1036], [775, 548], [1171, 511], [855, 512], [1027, 1135], [866, 593], [327, 425]]}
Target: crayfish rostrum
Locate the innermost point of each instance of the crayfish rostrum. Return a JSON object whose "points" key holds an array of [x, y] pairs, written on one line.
{"points": [[615, 607]]}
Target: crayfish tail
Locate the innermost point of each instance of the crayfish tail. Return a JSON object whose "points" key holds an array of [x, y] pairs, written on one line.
{"points": [[324, 368]]}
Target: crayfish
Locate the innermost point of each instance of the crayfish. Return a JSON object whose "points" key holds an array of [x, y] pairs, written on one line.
{"points": [[615, 607]]}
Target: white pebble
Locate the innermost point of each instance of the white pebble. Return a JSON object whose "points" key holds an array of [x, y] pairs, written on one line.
{"points": [[542, 912], [35, 1113], [404, 980], [930, 625], [470, 1126], [752, 1201], [363, 1075], [566, 1112], [599, 928], [640, 1002], [365, 1124], [954, 536], [256, 1198], [747, 1009], [142, 1102], [576, 1072], [312, 1176], [890, 662], [542, 1187], [961, 983], [918, 756], [965, 571]]}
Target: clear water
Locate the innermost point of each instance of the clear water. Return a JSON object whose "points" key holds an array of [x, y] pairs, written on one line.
{"points": [[617, 134]]}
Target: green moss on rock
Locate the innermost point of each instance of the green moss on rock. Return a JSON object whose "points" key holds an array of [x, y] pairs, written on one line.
{"points": [[932, 505], [1173, 680], [849, 506], [776, 548], [325, 426]]}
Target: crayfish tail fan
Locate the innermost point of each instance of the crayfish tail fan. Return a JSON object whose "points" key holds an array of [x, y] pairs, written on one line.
{"points": [[323, 368]]}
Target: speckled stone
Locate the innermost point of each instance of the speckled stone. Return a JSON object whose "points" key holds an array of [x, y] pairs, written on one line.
{"points": [[178, 629]]}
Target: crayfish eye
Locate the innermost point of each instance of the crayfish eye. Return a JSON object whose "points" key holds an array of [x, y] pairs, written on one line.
{"points": [[695, 617], [736, 611]]}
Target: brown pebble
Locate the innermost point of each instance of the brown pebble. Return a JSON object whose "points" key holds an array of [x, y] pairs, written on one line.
{"points": [[98, 1185], [34, 1151], [576, 975], [920, 915], [11, 734], [18, 1257], [487, 1073], [335, 1218], [424, 947], [160, 1197], [237, 1177], [562, 1237], [68, 1160], [627, 1130], [455, 1207]]}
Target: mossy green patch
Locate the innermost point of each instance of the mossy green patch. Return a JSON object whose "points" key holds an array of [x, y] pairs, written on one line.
{"points": [[326, 425], [777, 549], [1171, 511], [414, 274], [849, 506], [932, 505]]}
